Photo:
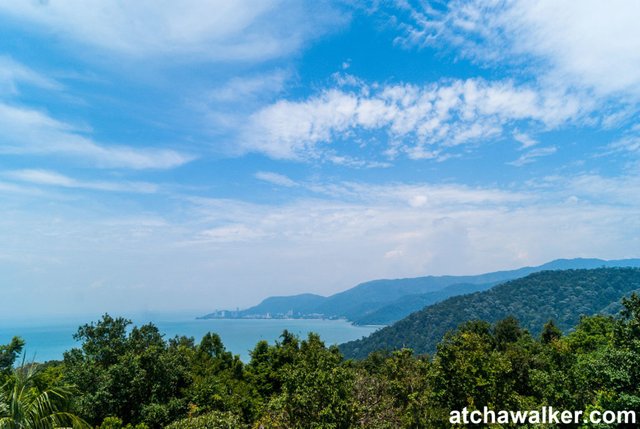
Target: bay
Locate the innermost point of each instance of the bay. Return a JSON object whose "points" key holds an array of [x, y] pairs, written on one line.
{"points": [[49, 339]]}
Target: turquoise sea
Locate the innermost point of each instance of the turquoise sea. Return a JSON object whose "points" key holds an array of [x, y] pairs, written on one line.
{"points": [[47, 340]]}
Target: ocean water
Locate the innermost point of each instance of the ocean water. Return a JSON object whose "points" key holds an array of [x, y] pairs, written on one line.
{"points": [[48, 340]]}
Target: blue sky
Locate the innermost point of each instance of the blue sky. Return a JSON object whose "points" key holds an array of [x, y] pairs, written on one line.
{"points": [[198, 155]]}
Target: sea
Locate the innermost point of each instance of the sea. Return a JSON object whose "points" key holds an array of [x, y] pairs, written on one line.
{"points": [[49, 339]]}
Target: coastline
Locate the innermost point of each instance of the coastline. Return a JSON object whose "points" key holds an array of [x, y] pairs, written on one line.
{"points": [[45, 341]]}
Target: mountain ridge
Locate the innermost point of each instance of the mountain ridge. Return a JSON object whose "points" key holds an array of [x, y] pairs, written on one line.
{"points": [[384, 301]]}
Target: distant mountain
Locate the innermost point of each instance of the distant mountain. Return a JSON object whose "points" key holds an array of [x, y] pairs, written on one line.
{"points": [[559, 295], [386, 301]]}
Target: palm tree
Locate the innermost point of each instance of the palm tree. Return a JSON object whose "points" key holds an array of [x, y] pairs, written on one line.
{"points": [[23, 405]]}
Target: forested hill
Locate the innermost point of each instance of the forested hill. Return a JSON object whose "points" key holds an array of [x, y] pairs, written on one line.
{"points": [[386, 301], [562, 296]]}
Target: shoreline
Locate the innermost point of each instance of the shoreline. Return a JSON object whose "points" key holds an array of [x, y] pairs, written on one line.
{"points": [[338, 319]]}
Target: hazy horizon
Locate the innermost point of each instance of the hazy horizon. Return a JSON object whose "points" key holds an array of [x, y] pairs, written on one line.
{"points": [[155, 159]]}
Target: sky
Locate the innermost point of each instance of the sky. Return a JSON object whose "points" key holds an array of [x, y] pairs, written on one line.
{"points": [[200, 154]]}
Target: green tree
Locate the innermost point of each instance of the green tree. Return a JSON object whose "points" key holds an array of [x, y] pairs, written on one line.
{"points": [[550, 332], [316, 389], [116, 423], [220, 381], [211, 420], [393, 391], [8, 355], [23, 405], [507, 332], [267, 365], [613, 373], [136, 375], [481, 365]]}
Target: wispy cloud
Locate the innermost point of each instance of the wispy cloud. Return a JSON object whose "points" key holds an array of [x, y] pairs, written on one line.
{"points": [[532, 155], [225, 108], [419, 121], [239, 89], [29, 131], [525, 140], [614, 191], [418, 195], [587, 44], [275, 178], [629, 144], [52, 178], [209, 29], [12, 188], [13, 73]]}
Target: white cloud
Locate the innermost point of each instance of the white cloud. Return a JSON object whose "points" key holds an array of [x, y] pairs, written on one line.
{"points": [[421, 121], [13, 73], [225, 108], [586, 44], [12, 188], [525, 140], [418, 200], [533, 155], [275, 178], [208, 29], [589, 42], [52, 178], [26, 130], [290, 130], [615, 191], [230, 233], [630, 143], [420, 195]]}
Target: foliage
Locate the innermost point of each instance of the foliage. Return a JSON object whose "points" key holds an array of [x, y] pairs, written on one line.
{"points": [[116, 423], [9, 353], [138, 376], [25, 405], [211, 420], [134, 375], [218, 380], [315, 389]]}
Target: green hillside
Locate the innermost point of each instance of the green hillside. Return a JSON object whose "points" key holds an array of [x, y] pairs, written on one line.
{"points": [[559, 295]]}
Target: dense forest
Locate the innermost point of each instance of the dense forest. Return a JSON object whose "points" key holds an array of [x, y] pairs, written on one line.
{"points": [[124, 376], [563, 296]]}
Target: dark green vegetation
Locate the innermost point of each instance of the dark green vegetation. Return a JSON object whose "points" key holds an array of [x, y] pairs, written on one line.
{"points": [[559, 295], [382, 302], [33, 396], [129, 377]]}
